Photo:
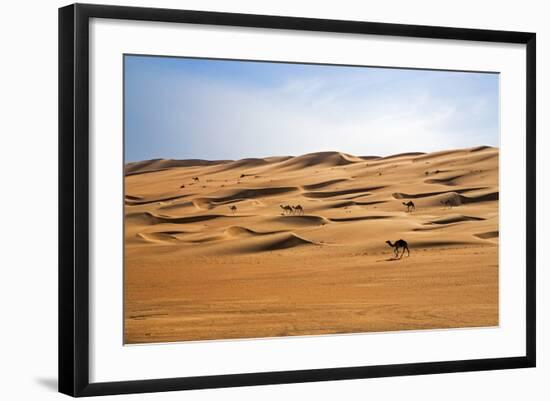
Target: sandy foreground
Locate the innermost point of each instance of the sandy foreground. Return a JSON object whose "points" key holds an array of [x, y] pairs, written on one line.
{"points": [[195, 269]]}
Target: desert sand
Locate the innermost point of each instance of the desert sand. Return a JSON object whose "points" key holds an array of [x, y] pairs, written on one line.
{"points": [[197, 268]]}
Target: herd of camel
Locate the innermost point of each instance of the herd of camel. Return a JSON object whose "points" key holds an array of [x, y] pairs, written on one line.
{"points": [[411, 207], [288, 210]]}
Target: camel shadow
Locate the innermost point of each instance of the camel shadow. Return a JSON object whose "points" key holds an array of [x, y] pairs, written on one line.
{"points": [[390, 260]]}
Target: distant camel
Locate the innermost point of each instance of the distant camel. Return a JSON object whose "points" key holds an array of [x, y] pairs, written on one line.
{"points": [[298, 209], [410, 205], [183, 186], [286, 208], [447, 203], [233, 208], [399, 244], [196, 179]]}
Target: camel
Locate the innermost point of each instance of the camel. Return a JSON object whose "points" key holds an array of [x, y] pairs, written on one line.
{"points": [[196, 179], [286, 208], [399, 244], [233, 208], [298, 209], [410, 205], [447, 203]]}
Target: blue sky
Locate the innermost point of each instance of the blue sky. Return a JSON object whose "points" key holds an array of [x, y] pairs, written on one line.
{"points": [[183, 108]]}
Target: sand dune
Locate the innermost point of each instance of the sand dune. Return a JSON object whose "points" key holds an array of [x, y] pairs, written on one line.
{"points": [[325, 159], [216, 256], [150, 166], [236, 231], [273, 243]]}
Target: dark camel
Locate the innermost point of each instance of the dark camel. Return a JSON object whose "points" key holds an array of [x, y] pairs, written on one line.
{"points": [[196, 179], [286, 208], [399, 244], [410, 205], [298, 209], [447, 203], [233, 208]]}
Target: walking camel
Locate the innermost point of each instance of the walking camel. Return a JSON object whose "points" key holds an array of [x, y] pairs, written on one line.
{"points": [[399, 244], [233, 208], [298, 209], [286, 208], [196, 179], [410, 205]]}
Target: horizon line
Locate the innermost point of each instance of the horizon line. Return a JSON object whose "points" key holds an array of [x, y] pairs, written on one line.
{"points": [[411, 153]]}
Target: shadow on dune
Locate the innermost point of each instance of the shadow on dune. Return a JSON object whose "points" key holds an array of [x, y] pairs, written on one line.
{"points": [[446, 180], [487, 235], [306, 220], [358, 218], [150, 218], [324, 184], [402, 195], [138, 200], [455, 219], [329, 194], [348, 203]]}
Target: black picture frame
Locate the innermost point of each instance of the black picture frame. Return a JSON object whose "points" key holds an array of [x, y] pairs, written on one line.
{"points": [[74, 200]]}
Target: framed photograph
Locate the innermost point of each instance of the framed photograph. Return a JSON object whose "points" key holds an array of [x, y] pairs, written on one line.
{"points": [[251, 199]]}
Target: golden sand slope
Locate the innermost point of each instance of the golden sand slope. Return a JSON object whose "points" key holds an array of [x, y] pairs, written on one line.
{"points": [[195, 269]]}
